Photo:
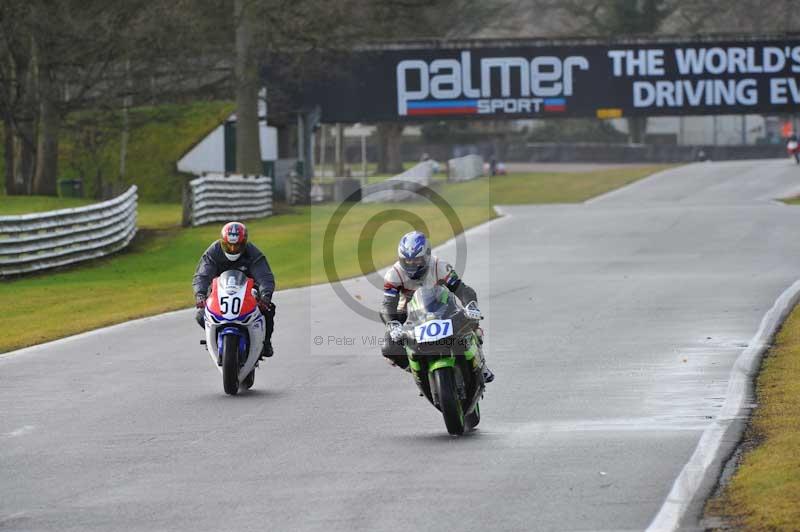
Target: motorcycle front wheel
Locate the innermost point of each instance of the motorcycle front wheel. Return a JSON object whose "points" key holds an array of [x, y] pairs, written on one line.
{"points": [[230, 364], [449, 403]]}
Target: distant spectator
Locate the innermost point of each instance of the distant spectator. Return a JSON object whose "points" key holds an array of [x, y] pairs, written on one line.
{"points": [[492, 166], [787, 129]]}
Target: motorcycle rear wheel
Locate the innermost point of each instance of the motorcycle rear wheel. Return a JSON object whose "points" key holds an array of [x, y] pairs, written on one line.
{"points": [[230, 364], [449, 403]]}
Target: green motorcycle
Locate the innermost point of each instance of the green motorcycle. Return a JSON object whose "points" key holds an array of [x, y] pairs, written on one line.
{"points": [[444, 355]]}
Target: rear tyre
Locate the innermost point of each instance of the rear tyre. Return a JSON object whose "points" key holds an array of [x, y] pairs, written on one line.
{"points": [[472, 419], [230, 364], [249, 380], [449, 403]]}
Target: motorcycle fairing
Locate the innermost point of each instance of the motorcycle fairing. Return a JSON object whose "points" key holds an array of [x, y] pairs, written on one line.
{"points": [[232, 285], [248, 323]]}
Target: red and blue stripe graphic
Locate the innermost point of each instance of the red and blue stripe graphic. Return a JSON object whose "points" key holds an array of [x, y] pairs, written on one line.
{"points": [[470, 107], [555, 105], [444, 107]]}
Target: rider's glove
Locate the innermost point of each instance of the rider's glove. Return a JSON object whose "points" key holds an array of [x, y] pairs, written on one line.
{"points": [[395, 330], [200, 301], [472, 311], [263, 305]]}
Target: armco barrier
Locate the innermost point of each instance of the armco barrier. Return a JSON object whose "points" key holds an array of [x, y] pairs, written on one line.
{"points": [[216, 198], [33, 242], [465, 168], [401, 187]]}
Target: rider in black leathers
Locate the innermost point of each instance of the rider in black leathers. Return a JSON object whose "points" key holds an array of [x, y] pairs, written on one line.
{"points": [[233, 252]]}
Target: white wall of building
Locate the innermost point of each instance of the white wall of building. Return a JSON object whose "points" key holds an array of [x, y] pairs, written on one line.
{"points": [[208, 155], [269, 143], [692, 130]]}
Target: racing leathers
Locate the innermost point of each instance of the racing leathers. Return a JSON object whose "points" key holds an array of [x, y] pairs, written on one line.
{"points": [[399, 288], [252, 263]]}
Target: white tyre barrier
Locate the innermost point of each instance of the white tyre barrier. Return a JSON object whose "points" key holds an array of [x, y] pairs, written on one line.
{"points": [[34, 242], [216, 198]]}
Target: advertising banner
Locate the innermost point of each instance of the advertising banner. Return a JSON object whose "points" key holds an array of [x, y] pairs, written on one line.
{"points": [[529, 79]]}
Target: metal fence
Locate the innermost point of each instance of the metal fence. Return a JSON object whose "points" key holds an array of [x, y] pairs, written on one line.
{"points": [[33, 242], [215, 198], [401, 187], [465, 168]]}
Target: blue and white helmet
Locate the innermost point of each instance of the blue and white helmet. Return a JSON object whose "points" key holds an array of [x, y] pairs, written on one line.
{"points": [[414, 253]]}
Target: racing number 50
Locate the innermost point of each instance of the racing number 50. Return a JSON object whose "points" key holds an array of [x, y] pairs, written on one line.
{"points": [[235, 304]]}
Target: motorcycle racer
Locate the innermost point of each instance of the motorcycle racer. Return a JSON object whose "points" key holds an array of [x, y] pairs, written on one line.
{"points": [[233, 252], [415, 268]]}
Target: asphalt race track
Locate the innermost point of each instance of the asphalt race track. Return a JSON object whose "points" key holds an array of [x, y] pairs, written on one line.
{"points": [[612, 328]]}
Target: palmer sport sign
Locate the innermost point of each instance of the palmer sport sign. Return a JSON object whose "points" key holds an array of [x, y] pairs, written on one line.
{"points": [[446, 86], [535, 79]]}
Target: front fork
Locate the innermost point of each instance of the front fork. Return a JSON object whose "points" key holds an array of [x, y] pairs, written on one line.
{"points": [[242, 345]]}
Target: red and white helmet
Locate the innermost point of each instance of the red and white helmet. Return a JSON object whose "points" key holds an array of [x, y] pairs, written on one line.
{"points": [[233, 240]]}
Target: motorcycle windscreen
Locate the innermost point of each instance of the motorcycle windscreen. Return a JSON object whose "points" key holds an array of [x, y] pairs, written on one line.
{"points": [[440, 304], [429, 301], [232, 281]]}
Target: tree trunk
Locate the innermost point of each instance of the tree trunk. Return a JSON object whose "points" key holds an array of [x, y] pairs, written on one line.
{"points": [[383, 150], [46, 176], [390, 160], [24, 158], [99, 193], [8, 157], [395, 162], [248, 146], [24, 126], [127, 101], [637, 128], [339, 156]]}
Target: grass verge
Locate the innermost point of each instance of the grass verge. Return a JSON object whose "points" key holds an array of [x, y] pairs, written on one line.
{"points": [[764, 492], [154, 274]]}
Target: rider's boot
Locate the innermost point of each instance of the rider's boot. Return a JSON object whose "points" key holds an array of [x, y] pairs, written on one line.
{"points": [[399, 361], [488, 375], [266, 351], [269, 327]]}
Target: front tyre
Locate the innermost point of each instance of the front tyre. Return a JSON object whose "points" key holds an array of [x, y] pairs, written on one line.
{"points": [[449, 403], [230, 364]]}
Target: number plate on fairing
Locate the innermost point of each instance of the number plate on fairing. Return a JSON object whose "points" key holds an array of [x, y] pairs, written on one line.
{"points": [[433, 330]]}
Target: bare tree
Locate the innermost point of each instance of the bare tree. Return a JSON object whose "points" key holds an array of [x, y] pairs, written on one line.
{"points": [[62, 56]]}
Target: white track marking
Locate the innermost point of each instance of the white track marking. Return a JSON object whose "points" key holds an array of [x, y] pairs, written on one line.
{"points": [[740, 386]]}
